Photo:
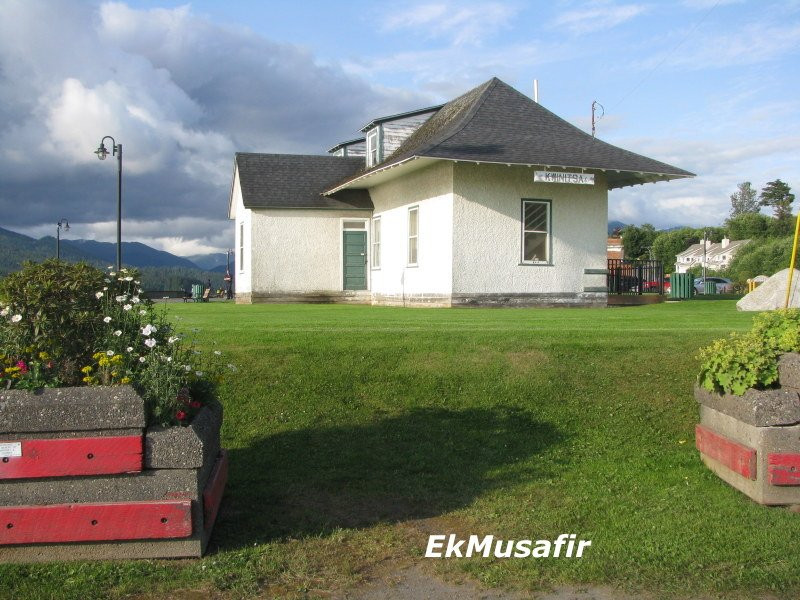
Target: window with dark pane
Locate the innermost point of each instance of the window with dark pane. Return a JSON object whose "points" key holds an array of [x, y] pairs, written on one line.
{"points": [[535, 231]]}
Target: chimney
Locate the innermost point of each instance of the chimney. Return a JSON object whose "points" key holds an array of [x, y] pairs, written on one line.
{"points": [[725, 242]]}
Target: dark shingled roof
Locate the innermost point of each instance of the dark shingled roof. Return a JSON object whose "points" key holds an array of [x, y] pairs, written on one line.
{"points": [[297, 181], [495, 123]]}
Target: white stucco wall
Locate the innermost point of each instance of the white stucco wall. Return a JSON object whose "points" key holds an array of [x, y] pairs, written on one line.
{"points": [[242, 278], [298, 251], [431, 190], [487, 236]]}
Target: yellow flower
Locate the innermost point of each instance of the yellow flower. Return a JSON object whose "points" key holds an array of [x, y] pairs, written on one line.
{"points": [[104, 362], [125, 380], [88, 379], [117, 358], [98, 355], [43, 356], [87, 369]]}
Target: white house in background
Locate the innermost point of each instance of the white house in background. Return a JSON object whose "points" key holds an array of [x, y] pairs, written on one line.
{"points": [[489, 199], [717, 255]]}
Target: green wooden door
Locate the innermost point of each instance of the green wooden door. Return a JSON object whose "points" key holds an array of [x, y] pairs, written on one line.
{"points": [[355, 260]]}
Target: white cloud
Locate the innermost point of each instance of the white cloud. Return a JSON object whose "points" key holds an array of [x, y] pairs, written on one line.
{"points": [[596, 16], [752, 44], [460, 22], [180, 93], [708, 4]]}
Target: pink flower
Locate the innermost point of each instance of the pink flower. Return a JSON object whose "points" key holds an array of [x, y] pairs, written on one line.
{"points": [[195, 404], [180, 415], [23, 368]]}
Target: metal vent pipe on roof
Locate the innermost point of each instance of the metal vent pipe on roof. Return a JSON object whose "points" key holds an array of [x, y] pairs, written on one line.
{"points": [[536, 91]]}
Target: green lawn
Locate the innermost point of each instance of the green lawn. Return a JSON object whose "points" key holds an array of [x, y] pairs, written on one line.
{"points": [[354, 432]]}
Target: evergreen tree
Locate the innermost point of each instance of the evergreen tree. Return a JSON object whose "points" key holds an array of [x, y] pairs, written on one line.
{"points": [[777, 194], [744, 200]]}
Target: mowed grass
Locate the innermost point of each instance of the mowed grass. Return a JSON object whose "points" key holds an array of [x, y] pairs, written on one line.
{"points": [[354, 432]]}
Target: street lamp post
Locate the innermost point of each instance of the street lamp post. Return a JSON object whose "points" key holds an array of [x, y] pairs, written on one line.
{"points": [[65, 224], [116, 150]]}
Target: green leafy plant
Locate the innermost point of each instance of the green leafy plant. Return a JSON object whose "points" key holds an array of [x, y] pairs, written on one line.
{"points": [[739, 362], [66, 324]]}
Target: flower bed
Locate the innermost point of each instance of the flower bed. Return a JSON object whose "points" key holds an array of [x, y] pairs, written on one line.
{"points": [[749, 395], [109, 426]]}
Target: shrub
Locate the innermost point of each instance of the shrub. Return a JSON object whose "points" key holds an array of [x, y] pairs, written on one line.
{"points": [[66, 324], [740, 362]]}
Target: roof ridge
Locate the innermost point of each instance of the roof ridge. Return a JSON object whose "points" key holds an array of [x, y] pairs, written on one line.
{"points": [[467, 118]]}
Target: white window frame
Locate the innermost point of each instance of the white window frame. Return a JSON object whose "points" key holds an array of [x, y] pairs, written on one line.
{"points": [[412, 239], [375, 244], [241, 246], [548, 232], [372, 146]]}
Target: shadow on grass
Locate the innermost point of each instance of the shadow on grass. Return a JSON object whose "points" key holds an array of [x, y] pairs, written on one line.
{"points": [[420, 464]]}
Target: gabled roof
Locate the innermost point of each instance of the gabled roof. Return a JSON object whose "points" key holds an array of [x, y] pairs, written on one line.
{"points": [[712, 251], [298, 181], [403, 115], [361, 140], [495, 123]]}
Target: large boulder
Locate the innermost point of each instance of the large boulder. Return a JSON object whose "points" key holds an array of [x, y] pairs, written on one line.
{"points": [[772, 293]]}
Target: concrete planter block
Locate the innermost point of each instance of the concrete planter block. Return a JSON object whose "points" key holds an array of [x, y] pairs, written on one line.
{"points": [[71, 409], [762, 408], [753, 441], [180, 464], [185, 447], [789, 370]]}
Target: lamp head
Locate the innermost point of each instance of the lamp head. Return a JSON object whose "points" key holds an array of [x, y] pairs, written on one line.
{"points": [[101, 151]]}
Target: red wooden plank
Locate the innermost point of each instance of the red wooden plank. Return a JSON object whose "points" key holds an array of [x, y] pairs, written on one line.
{"points": [[215, 487], [783, 469], [74, 456], [95, 522], [735, 456]]}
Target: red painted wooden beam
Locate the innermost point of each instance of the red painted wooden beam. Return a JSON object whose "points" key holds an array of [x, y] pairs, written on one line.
{"points": [[71, 456], [783, 469], [737, 457], [95, 522], [212, 494]]}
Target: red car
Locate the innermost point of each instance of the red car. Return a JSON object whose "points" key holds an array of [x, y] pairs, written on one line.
{"points": [[653, 286]]}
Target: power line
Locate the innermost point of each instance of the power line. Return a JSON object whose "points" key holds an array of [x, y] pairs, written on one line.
{"points": [[667, 55]]}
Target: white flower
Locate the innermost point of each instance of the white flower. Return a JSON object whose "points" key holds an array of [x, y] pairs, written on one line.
{"points": [[187, 368], [98, 295], [142, 359], [129, 349], [121, 298], [143, 312], [16, 318], [173, 339], [217, 352], [106, 319], [112, 273], [109, 353], [105, 287], [129, 278], [4, 312], [127, 307], [148, 329], [198, 373], [169, 359], [135, 300], [149, 342], [137, 282], [232, 367], [118, 332]]}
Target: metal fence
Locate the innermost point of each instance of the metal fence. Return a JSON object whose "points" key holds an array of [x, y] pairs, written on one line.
{"points": [[635, 277]]}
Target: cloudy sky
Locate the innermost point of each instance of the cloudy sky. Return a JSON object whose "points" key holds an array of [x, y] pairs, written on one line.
{"points": [[711, 86]]}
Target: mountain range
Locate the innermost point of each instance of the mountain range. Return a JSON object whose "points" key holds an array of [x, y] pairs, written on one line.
{"points": [[16, 248]]}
